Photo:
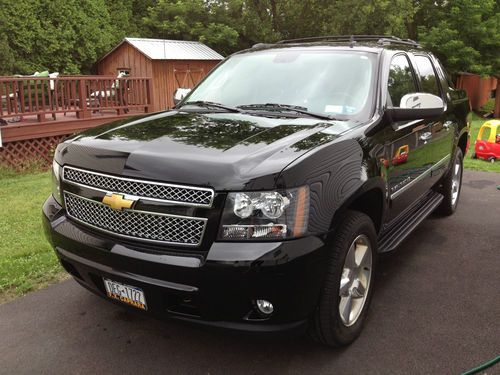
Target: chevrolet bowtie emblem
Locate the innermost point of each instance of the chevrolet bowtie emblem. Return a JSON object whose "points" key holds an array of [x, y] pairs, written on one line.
{"points": [[117, 201]]}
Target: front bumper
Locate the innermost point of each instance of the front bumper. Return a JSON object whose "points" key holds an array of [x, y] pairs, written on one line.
{"points": [[216, 289]]}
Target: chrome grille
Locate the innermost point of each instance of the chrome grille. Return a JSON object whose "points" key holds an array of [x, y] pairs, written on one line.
{"points": [[184, 195], [148, 226]]}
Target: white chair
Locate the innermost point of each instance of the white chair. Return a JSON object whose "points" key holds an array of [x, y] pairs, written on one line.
{"points": [[96, 97]]}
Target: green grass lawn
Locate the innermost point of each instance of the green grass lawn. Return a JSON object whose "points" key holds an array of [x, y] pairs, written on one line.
{"points": [[478, 165], [27, 262]]}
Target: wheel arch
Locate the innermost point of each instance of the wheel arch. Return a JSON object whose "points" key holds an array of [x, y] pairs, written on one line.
{"points": [[368, 199]]}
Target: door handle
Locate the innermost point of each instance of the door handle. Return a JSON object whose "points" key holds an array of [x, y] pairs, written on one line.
{"points": [[426, 136]]}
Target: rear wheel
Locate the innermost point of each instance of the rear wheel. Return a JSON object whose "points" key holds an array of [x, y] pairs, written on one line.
{"points": [[452, 185], [347, 290]]}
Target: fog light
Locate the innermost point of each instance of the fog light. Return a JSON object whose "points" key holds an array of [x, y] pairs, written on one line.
{"points": [[265, 307]]}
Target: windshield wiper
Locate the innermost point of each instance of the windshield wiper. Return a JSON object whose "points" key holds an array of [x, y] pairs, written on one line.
{"points": [[205, 104], [285, 107]]}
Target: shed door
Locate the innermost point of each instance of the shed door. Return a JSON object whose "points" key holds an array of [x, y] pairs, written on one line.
{"points": [[186, 77]]}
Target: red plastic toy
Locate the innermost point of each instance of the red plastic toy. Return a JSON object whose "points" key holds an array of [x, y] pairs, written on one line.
{"points": [[488, 146], [401, 156]]}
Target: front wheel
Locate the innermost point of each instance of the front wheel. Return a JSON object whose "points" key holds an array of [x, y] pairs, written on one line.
{"points": [[451, 185], [348, 287]]}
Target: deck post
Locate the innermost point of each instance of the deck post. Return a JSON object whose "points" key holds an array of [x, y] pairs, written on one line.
{"points": [[82, 100], [40, 116], [147, 108]]}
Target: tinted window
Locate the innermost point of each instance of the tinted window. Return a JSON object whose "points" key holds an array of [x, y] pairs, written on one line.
{"points": [[427, 75], [401, 80]]}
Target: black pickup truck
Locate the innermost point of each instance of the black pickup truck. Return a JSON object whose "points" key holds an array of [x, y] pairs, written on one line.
{"points": [[261, 201]]}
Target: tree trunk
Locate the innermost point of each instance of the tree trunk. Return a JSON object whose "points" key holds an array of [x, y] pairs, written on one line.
{"points": [[411, 29], [258, 10], [274, 14]]}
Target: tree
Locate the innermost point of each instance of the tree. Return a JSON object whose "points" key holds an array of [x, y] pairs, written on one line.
{"points": [[70, 35], [191, 20], [57, 35], [6, 56], [126, 17], [466, 36]]}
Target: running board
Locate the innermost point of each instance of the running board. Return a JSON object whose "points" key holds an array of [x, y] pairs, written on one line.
{"points": [[392, 236]]}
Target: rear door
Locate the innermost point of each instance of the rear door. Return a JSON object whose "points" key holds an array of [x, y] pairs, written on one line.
{"points": [[442, 128], [406, 150]]}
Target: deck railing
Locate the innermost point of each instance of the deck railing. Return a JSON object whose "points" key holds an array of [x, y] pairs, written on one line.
{"points": [[83, 95]]}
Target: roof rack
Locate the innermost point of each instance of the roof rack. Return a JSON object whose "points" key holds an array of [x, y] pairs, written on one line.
{"points": [[353, 39]]}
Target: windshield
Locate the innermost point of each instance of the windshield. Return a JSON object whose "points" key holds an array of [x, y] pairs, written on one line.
{"points": [[333, 83]]}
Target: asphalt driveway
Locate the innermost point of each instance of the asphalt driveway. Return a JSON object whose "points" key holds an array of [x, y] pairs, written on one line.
{"points": [[436, 310]]}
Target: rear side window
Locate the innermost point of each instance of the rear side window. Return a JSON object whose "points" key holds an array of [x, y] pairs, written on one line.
{"points": [[427, 76], [401, 80]]}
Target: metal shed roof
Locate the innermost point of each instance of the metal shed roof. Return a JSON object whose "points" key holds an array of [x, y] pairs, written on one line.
{"points": [[164, 49]]}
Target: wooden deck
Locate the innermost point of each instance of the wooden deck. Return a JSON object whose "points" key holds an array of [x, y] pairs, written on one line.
{"points": [[40, 112], [29, 127]]}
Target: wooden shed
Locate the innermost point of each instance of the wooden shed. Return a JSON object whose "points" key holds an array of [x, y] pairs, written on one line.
{"points": [[170, 63]]}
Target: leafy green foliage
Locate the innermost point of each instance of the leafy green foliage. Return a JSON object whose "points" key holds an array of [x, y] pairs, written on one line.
{"points": [[191, 20], [57, 35], [6, 56], [466, 36]]}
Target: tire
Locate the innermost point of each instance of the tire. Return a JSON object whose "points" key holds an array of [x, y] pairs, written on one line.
{"points": [[474, 156], [328, 326], [451, 184], [492, 159]]}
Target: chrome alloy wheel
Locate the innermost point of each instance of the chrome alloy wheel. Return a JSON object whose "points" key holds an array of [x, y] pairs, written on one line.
{"points": [[355, 280], [455, 182]]}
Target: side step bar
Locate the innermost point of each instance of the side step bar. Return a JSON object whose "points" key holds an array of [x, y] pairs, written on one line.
{"points": [[391, 237]]}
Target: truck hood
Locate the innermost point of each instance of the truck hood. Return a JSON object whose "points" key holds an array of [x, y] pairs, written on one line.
{"points": [[226, 151]]}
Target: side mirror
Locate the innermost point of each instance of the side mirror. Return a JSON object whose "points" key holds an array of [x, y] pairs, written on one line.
{"points": [[180, 94], [417, 106]]}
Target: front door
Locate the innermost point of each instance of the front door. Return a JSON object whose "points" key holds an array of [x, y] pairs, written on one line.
{"points": [[406, 151]]}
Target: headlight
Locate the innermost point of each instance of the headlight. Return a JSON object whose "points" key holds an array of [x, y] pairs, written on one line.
{"points": [[265, 215], [56, 182]]}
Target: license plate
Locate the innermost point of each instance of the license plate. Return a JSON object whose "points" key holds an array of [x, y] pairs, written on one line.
{"points": [[130, 295]]}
